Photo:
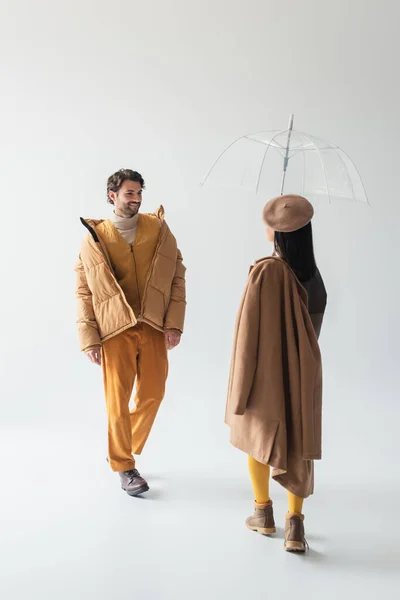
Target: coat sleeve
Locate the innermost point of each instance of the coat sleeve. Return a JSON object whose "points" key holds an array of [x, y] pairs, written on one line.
{"points": [[88, 333], [175, 316], [244, 361]]}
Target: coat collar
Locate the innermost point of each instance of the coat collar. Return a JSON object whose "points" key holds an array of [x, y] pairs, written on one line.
{"points": [[262, 260], [302, 289]]}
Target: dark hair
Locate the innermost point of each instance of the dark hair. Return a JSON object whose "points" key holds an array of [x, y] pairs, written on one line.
{"points": [[297, 249], [115, 181]]}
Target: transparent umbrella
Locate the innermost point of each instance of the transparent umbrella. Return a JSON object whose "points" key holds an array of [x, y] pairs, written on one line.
{"points": [[288, 161]]}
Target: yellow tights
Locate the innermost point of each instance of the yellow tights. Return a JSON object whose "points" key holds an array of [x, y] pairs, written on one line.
{"points": [[259, 475]]}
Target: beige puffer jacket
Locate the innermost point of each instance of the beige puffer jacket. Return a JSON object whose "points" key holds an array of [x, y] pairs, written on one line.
{"points": [[103, 311]]}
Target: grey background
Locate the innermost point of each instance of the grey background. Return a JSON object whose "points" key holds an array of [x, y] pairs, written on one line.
{"points": [[89, 87]]}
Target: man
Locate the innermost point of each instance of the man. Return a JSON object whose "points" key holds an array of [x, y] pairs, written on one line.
{"points": [[131, 310]]}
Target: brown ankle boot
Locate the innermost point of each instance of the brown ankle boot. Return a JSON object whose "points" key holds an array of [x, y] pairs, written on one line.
{"points": [[263, 519], [295, 540]]}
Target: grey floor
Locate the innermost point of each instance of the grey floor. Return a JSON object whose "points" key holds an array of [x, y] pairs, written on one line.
{"points": [[69, 532]]}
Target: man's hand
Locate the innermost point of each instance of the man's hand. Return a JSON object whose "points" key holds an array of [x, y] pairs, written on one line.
{"points": [[172, 338], [94, 355]]}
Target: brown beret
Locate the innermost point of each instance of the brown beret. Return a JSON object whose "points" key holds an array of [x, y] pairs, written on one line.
{"points": [[288, 213]]}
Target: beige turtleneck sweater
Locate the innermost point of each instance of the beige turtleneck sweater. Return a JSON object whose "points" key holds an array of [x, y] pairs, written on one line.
{"points": [[127, 226]]}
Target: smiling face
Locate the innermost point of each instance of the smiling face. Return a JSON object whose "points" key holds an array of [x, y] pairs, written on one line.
{"points": [[128, 199]]}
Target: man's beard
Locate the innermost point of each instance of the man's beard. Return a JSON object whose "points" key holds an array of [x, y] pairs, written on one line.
{"points": [[133, 209]]}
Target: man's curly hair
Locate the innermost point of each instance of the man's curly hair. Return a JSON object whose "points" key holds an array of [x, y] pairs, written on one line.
{"points": [[115, 181]]}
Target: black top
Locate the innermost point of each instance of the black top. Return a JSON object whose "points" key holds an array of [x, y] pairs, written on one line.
{"points": [[317, 299]]}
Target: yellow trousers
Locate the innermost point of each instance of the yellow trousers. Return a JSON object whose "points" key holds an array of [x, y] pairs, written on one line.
{"points": [[260, 475], [137, 354]]}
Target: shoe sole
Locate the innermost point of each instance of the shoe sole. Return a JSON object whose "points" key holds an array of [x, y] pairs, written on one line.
{"points": [[262, 530], [138, 492], [295, 547]]}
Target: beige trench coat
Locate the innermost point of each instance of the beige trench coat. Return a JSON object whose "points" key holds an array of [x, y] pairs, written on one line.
{"points": [[275, 388]]}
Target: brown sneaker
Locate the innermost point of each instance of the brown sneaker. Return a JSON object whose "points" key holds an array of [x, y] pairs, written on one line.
{"points": [[295, 540], [133, 483], [263, 519]]}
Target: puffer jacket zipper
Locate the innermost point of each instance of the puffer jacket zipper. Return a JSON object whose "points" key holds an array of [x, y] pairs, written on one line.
{"points": [[137, 281]]}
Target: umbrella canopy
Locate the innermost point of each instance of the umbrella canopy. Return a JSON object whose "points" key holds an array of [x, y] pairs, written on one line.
{"points": [[288, 161]]}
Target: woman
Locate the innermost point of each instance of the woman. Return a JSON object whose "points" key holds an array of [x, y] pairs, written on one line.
{"points": [[275, 388]]}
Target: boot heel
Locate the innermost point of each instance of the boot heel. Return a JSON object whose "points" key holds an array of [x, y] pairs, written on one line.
{"points": [[266, 531], [262, 530], [294, 547]]}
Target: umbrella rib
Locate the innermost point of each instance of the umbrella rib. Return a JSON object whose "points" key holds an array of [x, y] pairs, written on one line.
{"points": [[322, 163], [219, 158], [348, 176], [313, 149], [264, 143], [359, 176], [336, 147]]}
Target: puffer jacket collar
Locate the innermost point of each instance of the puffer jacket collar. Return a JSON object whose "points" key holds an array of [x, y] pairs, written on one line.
{"points": [[90, 229], [91, 224]]}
